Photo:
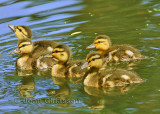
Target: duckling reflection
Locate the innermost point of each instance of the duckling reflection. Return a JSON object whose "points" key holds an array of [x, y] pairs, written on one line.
{"points": [[21, 72], [110, 91], [96, 100], [63, 93], [106, 77], [32, 57], [46, 73], [65, 68], [26, 87], [116, 53]]}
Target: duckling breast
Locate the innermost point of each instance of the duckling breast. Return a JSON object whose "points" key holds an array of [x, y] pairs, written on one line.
{"points": [[92, 80], [24, 63]]}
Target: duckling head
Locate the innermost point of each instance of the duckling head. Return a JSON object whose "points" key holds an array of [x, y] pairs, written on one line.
{"points": [[62, 53], [24, 46], [21, 31], [94, 60], [101, 42]]}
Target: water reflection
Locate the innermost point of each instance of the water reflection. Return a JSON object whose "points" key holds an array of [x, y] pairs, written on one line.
{"points": [[63, 93], [26, 87], [41, 73]]}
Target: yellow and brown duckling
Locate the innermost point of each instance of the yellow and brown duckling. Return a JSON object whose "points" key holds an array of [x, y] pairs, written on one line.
{"points": [[106, 77], [116, 53], [65, 67], [32, 57]]}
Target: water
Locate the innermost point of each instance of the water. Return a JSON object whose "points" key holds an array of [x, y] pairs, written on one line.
{"points": [[134, 22]]}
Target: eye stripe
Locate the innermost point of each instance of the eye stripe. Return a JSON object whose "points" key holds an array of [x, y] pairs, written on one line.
{"points": [[98, 42], [57, 51], [24, 45], [93, 60], [20, 30]]}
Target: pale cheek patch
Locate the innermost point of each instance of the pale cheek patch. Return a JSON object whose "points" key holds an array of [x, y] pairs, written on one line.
{"points": [[125, 77], [130, 53], [19, 35]]}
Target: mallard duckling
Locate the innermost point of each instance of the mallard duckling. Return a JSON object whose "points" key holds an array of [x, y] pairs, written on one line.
{"points": [[106, 77], [115, 53], [32, 57], [64, 67]]}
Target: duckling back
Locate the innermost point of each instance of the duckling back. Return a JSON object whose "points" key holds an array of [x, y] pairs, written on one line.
{"points": [[118, 77], [41, 49], [74, 68], [123, 53]]}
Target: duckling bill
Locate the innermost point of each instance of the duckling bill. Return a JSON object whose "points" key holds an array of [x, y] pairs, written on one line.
{"points": [[116, 53], [106, 77]]}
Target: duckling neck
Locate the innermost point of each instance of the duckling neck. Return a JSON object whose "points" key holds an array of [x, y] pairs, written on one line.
{"points": [[59, 70], [24, 62], [102, 52], [92, 78]]}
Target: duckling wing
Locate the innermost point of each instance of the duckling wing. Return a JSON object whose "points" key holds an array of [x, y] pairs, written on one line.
{"points": [[45, 43], [74, 68], [43, 62], [123, 53], [42, 48], [119, 77]]}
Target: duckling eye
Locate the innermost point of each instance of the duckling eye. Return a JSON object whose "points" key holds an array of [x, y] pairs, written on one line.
{"points": [[91, 60], [56, 51], [62, 54], [99, 41], [24, 45], [20, 30]]}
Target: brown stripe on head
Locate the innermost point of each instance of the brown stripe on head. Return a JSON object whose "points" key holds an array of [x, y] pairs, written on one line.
{"points": [[20, 41], [64, 48], [25, 30], [93, 54], [103, 37]]}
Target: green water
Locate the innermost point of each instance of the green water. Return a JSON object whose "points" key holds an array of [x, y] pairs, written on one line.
{"points": [[134, 22]]}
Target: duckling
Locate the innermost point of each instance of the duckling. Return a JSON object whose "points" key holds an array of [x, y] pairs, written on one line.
{"points": [[32, 57], [116, 53], [106, 77], [65, 68]]}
